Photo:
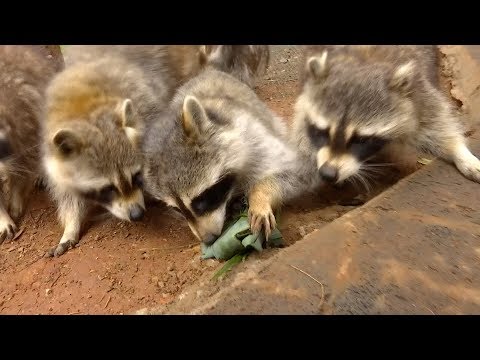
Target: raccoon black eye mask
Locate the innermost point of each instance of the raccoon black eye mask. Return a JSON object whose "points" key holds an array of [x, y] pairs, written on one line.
{"points": [[104, 196], [318, 137], [207, 201], [107, 194], [362, 147], [214, 196]]}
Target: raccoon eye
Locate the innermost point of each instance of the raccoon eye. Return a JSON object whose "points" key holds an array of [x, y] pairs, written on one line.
{"points": [[318, 137], [137, 179], [364, 147], [107, 193], [357, 139], [213, 197]]}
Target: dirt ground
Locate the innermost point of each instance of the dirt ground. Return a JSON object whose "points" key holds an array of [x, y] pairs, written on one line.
{"points": [[120, 267]]}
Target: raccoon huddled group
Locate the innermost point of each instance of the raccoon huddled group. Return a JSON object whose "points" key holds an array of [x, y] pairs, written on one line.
{"points": [[183, 125]]}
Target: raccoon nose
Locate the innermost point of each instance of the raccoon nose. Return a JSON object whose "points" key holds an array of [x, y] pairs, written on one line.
{"points": [[209, 239], [136, 213], [328, 173]]}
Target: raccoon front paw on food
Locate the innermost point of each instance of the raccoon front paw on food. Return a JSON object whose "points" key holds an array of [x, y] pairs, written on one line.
{"points": [[8, 228], [61, 248], [262, 216]]}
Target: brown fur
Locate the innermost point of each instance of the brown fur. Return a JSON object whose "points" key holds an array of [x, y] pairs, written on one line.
{"points": [[24, 74]]}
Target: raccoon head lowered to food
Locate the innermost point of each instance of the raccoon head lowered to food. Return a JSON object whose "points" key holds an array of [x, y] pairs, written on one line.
{"points": [[195, 165], [99, 158], [349, 110]]}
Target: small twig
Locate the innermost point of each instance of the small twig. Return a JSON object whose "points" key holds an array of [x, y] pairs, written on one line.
{"points": [[73, 313], [108, 301], [39, 217], [311, 277], [54, 281], [429, 310], [18, 234], [103, 297]]}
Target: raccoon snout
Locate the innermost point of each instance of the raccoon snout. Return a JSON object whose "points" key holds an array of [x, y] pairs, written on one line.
{"points": [[209, 239], [328, 173], [136, 213]]}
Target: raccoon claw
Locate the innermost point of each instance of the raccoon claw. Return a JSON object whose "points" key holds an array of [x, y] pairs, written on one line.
{"points": [[259, 218], [60, 249], [7, 231]]}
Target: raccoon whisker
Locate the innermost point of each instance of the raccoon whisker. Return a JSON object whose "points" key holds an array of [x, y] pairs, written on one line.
{"points": [[353, 180], [369, 176], [361, 176], [371, 171], [378, 164]]}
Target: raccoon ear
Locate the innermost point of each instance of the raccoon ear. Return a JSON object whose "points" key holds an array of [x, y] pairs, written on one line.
{"points": [[194, 117], [67, 142], [318, 66], [403, 77], [127, 114], [203, 54]]}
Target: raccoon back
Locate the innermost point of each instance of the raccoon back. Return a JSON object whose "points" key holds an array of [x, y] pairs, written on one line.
{"points": [[24, 75]]}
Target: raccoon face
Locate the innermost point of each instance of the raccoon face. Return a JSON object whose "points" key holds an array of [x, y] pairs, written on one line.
{"points": [[196, 176], [122, 195], [340, 153], [101, 163], [350, 113]]}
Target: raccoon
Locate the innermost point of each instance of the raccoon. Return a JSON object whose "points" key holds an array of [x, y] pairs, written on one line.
{"points": [[98, 110], [245, 62], [24, 75], [357, 101], [218, 140]]}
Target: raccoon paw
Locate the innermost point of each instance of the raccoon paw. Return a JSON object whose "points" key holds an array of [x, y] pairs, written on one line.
{"points": [[8, 229], [262, 217], [61, 248], [470, 168]]}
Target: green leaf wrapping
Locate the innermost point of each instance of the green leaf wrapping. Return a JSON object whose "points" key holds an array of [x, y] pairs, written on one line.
{"points": [[237, 239]]}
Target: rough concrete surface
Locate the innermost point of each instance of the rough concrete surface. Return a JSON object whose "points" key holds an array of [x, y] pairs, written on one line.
{"points": [[460, 70]]}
